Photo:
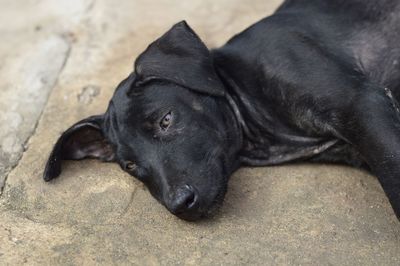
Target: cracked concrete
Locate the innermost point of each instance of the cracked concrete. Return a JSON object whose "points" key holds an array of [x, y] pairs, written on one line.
{"points": [[61, 63], [23, 98]]}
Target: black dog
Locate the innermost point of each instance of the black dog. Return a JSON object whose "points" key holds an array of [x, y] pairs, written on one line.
{"points": [[317, 81]]}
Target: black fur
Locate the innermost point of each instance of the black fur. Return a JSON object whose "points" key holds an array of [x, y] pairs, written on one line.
{"points": [[317, 81]]}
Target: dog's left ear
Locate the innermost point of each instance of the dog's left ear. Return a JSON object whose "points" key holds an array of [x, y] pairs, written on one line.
{"points": [[84, 139], [180, 57]]}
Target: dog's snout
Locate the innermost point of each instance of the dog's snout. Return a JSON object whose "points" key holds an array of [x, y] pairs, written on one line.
{"points": [[183, 201]]}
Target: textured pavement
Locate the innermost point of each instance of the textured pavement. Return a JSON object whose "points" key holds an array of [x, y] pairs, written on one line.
{"points": [[61, 61]]}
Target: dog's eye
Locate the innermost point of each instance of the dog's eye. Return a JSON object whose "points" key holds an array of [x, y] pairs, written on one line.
{"points": [[130, 166], [166, 121]]}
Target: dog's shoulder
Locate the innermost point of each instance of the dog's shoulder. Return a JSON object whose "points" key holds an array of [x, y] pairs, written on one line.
{"points": [[286, 49]]}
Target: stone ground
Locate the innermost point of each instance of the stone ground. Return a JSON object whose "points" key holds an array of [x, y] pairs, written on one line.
{"points": [[61, 61]]}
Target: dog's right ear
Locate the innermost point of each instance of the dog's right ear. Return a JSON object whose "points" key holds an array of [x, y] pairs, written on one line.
{"points": [[83, 140], [179, 57]]}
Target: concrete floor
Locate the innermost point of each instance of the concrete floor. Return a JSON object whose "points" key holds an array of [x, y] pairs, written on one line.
{"points": [[61, 61]]}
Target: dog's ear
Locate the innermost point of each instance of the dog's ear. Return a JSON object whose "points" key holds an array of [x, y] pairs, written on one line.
{"points": [[82, 140], [180, 57]]}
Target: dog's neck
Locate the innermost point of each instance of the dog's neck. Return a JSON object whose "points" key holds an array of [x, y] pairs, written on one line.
{"points": [[248, 138], [265, 140]]}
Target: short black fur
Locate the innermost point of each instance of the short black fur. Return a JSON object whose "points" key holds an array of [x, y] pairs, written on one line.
{"points": [[317, 81]]}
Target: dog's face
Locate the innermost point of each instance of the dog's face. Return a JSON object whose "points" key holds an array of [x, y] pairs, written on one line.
{"points": [[176, 141], [168, 125]]}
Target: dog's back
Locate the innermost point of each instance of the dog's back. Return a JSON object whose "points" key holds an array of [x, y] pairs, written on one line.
{"points": [[360, 9], [362, 32], [372, 34]]}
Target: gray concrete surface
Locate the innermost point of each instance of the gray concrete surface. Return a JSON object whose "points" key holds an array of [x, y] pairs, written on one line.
{"points": [[61, 61]]}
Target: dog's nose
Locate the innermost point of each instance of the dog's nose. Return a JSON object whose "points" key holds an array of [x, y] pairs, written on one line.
{"points": [[184, 200]]}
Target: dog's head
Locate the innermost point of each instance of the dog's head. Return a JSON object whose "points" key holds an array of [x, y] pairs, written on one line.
{"points": [[168, 124]]}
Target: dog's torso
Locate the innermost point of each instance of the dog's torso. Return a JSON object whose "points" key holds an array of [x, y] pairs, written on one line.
{"points": [[293, 69]]}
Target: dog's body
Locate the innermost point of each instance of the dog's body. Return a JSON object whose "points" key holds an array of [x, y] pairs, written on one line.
{"points": [[316, 81], [305, 65]]}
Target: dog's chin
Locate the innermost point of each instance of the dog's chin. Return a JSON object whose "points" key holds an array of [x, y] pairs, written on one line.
{"points": [[200, 215]]}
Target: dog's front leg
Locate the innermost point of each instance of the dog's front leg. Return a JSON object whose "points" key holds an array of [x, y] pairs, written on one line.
{"points": [[372, 126]]}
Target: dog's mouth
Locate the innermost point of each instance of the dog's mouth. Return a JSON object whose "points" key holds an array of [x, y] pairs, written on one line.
{"points": [[199, 215]]}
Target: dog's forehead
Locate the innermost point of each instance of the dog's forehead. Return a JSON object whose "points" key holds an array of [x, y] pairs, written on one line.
{"points": [[165, 93], [148, 99]]}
